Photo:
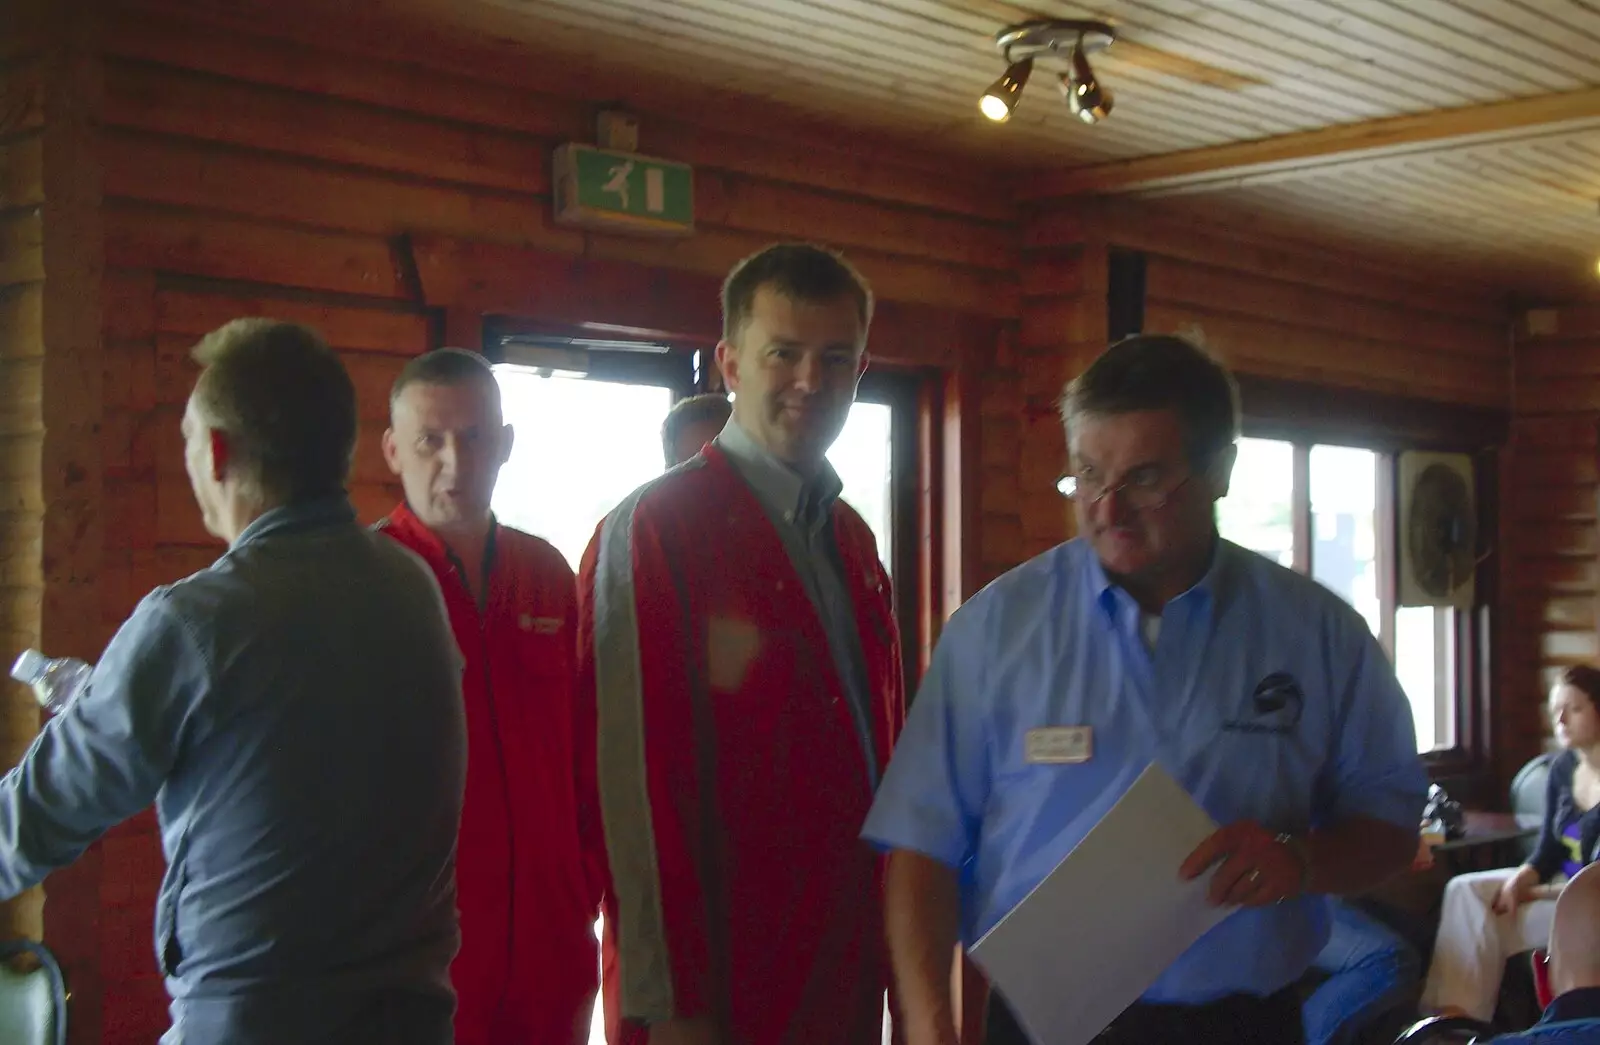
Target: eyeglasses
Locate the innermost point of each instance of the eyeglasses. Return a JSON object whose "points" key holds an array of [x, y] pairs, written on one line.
{"points": [[1142, 493]]}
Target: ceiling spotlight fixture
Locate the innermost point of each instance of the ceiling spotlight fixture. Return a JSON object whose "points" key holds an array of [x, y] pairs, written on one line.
{"points": [[1088, 101], [1001, 97], [1070, 39]]}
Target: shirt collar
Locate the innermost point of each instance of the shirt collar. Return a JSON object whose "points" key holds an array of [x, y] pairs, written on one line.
{"points": [[1582, 1003], [421, 538], [1207, 591], [783, 490], [300, 515]]}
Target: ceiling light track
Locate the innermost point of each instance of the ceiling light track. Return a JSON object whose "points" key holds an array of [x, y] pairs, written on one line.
{"points": [[1073, 39]]}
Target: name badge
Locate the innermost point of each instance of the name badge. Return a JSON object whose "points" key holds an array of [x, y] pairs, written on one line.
{"points": [[1060, 745]]}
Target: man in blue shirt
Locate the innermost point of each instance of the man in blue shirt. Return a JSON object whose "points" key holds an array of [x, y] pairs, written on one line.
{"points": [[294, 711], [1569, 984], [1149, 639]]}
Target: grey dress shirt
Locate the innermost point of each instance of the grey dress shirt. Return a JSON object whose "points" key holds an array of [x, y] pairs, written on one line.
{"points": [[800, 509], [294, 711]]}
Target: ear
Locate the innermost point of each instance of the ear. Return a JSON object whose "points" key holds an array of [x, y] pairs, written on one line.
{"points": [[391, 451], [1221, 471], [220, 454], [861, 367], [508, 439], [728, 365]]}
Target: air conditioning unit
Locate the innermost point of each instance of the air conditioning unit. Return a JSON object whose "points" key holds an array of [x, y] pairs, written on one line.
{"points": [[1438, 538]]}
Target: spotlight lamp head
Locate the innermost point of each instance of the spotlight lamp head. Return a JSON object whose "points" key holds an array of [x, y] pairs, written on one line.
{"points": [[1074, 39], [1088, 100], [1002, 96]]}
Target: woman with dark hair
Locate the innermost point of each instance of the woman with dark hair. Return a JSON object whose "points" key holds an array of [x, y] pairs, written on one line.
{"points": [[1491, 915]]}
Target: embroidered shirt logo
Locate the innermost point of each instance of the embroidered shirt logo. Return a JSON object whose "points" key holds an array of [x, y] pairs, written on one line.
{"points": [[539, 625], [1275, 706]]}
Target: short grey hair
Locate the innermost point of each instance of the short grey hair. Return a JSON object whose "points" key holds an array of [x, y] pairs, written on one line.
{"points": [[286, 403], [1161, 372]]}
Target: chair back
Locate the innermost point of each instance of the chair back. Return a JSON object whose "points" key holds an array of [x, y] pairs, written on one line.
{"points": [[1527, 796], [33, 995]]}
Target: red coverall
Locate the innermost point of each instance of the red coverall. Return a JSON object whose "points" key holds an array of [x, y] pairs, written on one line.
{"points": [[733, 778], [530, 863]]}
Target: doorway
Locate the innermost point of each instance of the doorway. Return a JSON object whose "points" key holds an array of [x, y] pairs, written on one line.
{"points": [[587, 425]]}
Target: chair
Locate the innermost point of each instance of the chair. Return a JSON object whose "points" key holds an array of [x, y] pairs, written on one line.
{"points": [[1446, 1030], [33, 995], [1527, 796]]}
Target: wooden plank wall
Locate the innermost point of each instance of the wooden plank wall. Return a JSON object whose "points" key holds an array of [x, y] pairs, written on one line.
{"points": [[1290, 311], [1551, 567], [21, 401], [50, 469], [247, 173], [1264, 307], [1062, 327]]}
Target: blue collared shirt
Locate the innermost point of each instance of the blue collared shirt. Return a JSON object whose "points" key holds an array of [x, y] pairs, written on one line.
{"points": [[294, 711], [1570, 1019], [1263, 694]]}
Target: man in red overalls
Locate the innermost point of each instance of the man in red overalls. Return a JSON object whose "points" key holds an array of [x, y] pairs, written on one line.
{"points": [[529, 866], [737, 632]]}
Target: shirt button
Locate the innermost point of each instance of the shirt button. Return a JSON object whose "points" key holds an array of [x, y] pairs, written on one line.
{"points": [[788, 517]]}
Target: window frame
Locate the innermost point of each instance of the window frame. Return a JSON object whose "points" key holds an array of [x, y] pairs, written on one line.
{"points": [[1304, 414], [901, 390]]}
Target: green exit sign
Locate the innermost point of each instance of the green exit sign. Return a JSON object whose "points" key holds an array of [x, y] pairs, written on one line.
{"points": [[602, 188]]}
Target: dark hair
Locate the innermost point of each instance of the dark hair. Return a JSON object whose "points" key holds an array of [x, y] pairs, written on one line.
{"points": [[712, 406], [285, 402], [446, 366], [1585, 679], [799, 271], [1161, 372]]}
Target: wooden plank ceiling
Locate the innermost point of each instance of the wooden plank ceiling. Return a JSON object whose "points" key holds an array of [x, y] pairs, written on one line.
{"points": [[1466, 131]]}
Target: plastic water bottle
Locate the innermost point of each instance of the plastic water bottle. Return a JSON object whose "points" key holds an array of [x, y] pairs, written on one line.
{"points": [[56, 683]]}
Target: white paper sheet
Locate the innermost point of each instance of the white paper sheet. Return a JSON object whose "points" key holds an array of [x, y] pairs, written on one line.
{"points": [[1108, 921]]}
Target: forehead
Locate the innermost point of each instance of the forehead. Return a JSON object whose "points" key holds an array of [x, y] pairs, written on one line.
{"points": [[459, 404], [1125, 439], [774, 316], [1565, 693]]}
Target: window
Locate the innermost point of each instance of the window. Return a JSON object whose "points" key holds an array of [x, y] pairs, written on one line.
{"points": [[1326, 510], [1258, 512], [863, 455]]}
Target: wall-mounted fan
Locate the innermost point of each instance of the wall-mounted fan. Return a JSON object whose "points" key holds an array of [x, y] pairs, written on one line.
{"points": [[1438, 539]]}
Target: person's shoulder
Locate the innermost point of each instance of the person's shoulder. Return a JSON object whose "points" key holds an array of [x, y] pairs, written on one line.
{"points": [[1287, 595], [200, 592], [395, 552], [1566, 1032], [205, 602], [853, 524], [1028, 589], [686, 490], [533, 554]]}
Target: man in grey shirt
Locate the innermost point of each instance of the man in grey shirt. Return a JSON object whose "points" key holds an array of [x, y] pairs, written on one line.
{"points": [[294, 711]]}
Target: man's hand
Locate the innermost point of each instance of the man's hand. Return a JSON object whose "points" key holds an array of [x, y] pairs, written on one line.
{"points": [[1254, 868], [701, 1030]]}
